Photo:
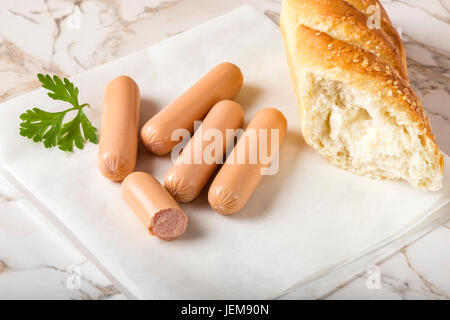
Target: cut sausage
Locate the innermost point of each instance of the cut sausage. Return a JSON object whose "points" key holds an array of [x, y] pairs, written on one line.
{"points": [[243, 169], [118, 144], [154, 206], [222, 82], [188, 176]]}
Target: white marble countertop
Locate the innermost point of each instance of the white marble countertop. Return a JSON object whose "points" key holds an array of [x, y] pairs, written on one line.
{"points": [[67, 37]]}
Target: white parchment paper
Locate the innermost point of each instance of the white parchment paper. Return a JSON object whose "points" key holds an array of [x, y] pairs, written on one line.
{"points": [[309, 217]]}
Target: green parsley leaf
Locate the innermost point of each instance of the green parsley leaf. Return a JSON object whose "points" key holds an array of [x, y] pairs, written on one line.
{"points": [[71, 133], [36, 123], [48, 127], [59, 90]]}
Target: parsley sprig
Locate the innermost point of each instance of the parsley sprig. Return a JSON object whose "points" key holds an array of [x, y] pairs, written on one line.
{"points": [[48, 127]]}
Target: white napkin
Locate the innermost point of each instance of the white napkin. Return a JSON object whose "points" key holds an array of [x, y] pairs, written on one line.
{"points": [[306, 219]]}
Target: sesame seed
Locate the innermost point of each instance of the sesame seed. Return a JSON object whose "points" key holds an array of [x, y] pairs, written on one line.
{"points": [[390, 93], [318, 33], [355, 60]]}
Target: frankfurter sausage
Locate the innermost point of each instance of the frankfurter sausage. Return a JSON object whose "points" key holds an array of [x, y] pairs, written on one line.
{"points": [[243, 170], [154, 206], [223, 82], [188, 176], [118, 144]]}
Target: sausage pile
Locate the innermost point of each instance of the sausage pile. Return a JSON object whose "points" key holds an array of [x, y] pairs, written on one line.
{"points": [[209, 103]]}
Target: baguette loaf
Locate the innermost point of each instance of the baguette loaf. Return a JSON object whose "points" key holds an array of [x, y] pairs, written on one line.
{"points": [[357, 107]]}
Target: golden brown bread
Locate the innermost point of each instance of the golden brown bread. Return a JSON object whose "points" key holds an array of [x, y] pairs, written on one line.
{"points": [[343, 21], [364, 7], [357, 107]]}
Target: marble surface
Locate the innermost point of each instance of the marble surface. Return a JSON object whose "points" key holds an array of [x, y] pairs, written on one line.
{"points": [[67, 37]]}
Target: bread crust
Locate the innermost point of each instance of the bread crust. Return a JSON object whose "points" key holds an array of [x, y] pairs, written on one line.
{"points": [[343, 21], [356, 65], [386, 25]]}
